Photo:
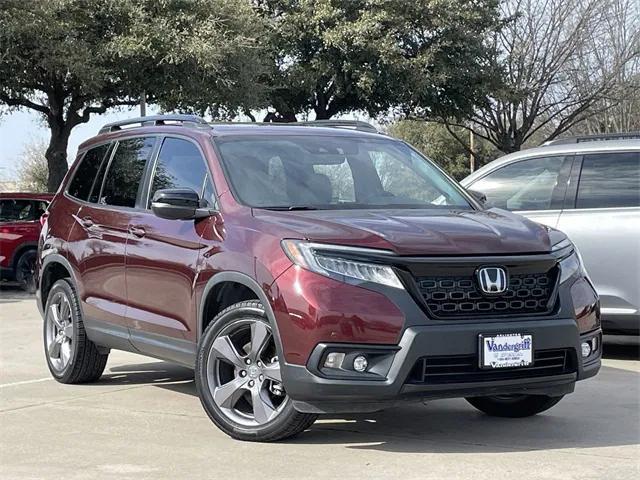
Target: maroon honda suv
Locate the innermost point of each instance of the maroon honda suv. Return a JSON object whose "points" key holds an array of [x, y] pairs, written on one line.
{"points": [[308, 269]]}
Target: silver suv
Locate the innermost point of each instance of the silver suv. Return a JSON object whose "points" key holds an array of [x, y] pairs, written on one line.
{"points": [[590, 189]]}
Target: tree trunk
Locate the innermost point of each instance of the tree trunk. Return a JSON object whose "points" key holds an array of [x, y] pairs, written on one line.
{"points": [[57, 154], [280, 117], [322, 114]]}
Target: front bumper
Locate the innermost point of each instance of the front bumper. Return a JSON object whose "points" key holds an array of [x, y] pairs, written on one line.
{"points": [[313, 392]]}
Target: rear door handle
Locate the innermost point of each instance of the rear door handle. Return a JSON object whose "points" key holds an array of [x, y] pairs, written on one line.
{"points": [[137, 231], [86, 222]]}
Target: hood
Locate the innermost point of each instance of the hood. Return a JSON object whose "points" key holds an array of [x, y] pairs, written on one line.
{"points": [[416, 232]]}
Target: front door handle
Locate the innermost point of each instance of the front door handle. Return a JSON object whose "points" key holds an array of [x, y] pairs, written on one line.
{"points": [[137, 231], [86, 222]]}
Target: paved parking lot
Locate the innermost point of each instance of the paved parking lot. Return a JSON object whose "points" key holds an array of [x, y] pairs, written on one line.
{"points": [[143, 420]]}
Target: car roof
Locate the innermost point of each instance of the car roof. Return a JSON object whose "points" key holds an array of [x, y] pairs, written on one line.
{"points": [[196, 129], [560, 149], [27, 195], [228, 129]]}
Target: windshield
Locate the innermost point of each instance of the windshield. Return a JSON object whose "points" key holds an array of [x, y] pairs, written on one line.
{"points": [[323, 172]]}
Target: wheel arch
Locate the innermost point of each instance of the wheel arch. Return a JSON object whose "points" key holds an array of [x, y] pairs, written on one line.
{"points": [[54, 267], [221, 280]]}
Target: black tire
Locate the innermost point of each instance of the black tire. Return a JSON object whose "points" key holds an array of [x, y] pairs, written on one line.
{"points": [[25, 270], [86, 363], [514, 406], [288, 421]]}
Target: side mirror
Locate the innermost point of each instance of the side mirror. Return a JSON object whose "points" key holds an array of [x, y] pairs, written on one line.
{"points": [[479, 196], [178, 204]]}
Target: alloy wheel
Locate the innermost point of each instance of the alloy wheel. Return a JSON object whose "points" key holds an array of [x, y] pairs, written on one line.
{"points": [[243, 373], [59, 332]]}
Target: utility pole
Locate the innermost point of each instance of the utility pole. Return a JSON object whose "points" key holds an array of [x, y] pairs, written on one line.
{"points": [[143, 104], [472, 147]]}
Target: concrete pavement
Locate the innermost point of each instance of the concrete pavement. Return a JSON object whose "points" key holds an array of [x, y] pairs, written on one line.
{"points": [[143, 420]]}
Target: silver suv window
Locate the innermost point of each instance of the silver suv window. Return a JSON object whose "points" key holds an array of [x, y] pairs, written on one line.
{"points": [[609, 180], [533, 184]]}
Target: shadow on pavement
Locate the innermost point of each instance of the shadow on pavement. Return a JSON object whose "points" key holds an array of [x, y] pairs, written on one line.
{"points": [[626, 349], [603, 412], [11, 292]]}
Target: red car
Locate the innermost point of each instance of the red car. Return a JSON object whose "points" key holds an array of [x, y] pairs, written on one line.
{"points": [[19, 231], [303, 270]]}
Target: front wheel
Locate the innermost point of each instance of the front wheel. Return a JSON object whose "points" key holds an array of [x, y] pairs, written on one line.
{"points": [[239, 381], [513, 406]]}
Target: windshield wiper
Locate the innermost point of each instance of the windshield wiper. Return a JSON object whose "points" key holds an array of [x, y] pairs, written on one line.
{"points": [[291, 208]]}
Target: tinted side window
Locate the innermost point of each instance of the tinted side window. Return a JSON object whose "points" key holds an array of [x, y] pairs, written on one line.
{"points": [[533, 184], [125, 172], [609, 180], [16, 210], [94, 196], [179, 165], [86, 172], [39, 208]]}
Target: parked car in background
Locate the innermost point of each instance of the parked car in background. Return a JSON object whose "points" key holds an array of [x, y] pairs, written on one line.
{"points": [[19, 231], [588, 188], [305, 269]]}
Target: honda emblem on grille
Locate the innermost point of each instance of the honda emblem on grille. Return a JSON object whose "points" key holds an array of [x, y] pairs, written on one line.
{"points": [[492, 279]]}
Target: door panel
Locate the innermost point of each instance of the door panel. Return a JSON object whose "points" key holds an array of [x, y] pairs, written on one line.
{"points": [[162, 256], [605, 226], [101, 229], [99, 238], [609, 242]]}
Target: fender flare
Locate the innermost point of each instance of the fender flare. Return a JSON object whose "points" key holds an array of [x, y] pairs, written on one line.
{"points": [[250, 283], [48, 259]]}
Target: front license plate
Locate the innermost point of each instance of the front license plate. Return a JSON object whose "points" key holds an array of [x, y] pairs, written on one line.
{"points": [[506, 350]]}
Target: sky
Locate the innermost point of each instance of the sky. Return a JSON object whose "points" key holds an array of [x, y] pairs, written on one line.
{"points": [[20, 128]]}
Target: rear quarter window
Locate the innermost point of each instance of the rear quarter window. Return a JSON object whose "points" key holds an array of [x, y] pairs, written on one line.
{"points": [[87, 172]]}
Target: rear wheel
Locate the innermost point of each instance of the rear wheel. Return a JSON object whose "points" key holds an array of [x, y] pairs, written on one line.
{"points": [[239, 380], [71, 356], [513, 406], [25, 270]]}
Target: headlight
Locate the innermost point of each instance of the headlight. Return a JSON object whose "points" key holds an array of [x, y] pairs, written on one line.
{"points": [[572, 263], [326, 260], [569, 266]]}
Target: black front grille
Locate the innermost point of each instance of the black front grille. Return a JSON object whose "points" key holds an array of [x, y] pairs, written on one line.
{"points": [[464, 368], [460, 296]]}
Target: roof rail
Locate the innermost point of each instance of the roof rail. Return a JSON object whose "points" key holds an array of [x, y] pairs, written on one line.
{"points": [[186, 120], [352, 124], [593, 138]]}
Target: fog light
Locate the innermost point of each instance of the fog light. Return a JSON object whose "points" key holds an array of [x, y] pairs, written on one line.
{"points": [[334, 360], [360, 363], [586, 349]]}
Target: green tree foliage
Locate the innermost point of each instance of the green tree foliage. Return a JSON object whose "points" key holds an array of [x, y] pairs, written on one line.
{"points": [[337, 56], [436, 142], [68, 59]]}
